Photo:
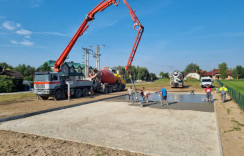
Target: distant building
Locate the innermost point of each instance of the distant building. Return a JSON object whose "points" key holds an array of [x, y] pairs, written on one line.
{"points": [[73, 70], [193, 75], [159, 76], [214, 74]]}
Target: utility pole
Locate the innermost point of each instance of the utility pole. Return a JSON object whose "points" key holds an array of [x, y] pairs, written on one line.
{"points": [[87, 52], [97, 56]]}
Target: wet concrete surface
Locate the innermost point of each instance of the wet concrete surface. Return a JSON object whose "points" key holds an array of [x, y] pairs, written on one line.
{"points": [[175, 105]]}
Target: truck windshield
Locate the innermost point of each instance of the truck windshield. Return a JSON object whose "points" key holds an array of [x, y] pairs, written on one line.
{"points": [[42, 78], [206, 80]]}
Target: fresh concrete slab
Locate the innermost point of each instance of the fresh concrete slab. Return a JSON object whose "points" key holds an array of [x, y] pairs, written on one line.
{"points": [[121, 126], [175, 105]]}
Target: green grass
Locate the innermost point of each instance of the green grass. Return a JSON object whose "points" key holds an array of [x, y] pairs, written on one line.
{"points": [[192, 82], [237, 126], [158, 83], [228, 111], [15, 97], [166, 83], [237, 85]]}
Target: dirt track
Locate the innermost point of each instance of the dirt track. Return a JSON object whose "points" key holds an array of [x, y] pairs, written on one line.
{"points": [[232, 134]]}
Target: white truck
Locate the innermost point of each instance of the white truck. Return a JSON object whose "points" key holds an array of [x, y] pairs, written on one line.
{"points": [[176, 79], [51, 84], [206, 81]]}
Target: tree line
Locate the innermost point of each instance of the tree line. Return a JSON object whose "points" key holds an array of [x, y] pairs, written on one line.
{"points": [[138, 73], [9, 84]]}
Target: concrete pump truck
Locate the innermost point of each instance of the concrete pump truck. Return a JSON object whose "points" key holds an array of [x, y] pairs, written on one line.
{"points": [[47, 84]]}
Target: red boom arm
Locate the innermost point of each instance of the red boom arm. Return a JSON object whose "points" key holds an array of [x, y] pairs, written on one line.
{"points": [[100, 7], [138, 37]]}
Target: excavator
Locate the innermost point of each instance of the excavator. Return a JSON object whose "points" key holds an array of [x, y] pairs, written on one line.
{"points": [[55, 88]]}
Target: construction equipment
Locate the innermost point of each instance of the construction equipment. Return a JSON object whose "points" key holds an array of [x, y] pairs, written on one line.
{"points": [[176, 79], [107, 80], [47, 86]]}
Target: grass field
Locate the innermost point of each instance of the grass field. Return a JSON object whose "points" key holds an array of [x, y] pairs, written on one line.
{"points": [[166, 83], [14, 97], [237, 85]]}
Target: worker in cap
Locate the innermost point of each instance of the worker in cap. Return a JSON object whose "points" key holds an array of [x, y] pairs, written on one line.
{"points": [[208, 91]]}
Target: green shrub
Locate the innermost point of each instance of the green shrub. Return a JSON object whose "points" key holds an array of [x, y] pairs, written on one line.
{"points": [[6, 84]]}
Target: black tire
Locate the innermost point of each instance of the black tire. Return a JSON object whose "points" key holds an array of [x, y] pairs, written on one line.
{"points": [[105, 90], [78, 93], [110, 89], [85, 92], [117, 87], [44, 97], [202, 86], [123, 87], [58, 95]]}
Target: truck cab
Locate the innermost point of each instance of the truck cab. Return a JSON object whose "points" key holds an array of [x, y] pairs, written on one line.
{"points": [[206, 81], [46, 84]]}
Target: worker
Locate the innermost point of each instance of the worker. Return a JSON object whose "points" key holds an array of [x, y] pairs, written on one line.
{"points": [[208, 91], [223, 90], [130, 94], [164, 93], [142, 95], [146, 94]]}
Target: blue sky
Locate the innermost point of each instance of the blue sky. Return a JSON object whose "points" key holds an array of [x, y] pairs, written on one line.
{"points": [[177, 32]]}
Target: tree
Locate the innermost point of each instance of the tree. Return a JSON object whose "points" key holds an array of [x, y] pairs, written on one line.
{"points": [[238, 72], [44, 68], [153, 76], [5, 65], [164, 75], [192, 67], [6, 84], [223, 70], [26, 70], [143, 73]]}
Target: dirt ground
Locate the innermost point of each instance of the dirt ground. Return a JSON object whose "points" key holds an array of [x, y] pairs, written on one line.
{"points": [[13, 143], [33, 104], [231, 124], [230, 121]]}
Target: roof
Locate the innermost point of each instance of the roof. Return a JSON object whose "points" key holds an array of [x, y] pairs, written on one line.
{"points": [[215, 71], [71, 74], [76, 65], [13, 73]]}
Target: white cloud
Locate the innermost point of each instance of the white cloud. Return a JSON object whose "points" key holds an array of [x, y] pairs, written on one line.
{"points": [[24, 42], [51, 33], [13, 42], [18, 25], [24, 32], [9, 26], [36, 3]]}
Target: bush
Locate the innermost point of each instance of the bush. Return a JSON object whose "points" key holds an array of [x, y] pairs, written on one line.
{"points": [[6, 84]]}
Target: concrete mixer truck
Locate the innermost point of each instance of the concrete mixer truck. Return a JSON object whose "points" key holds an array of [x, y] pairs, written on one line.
{"points": [[176, 79], [107, 80]]}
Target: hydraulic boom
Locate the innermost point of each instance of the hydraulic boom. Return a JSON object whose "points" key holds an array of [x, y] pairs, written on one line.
{"points": [[90, 16]]}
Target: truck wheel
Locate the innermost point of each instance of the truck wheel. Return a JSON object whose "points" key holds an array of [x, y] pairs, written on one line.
{"points": [[202, 86], [110, 89], [123, 87], [58, 95], [44, 97], [85, 92], [78, 93], [105, 90]]}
